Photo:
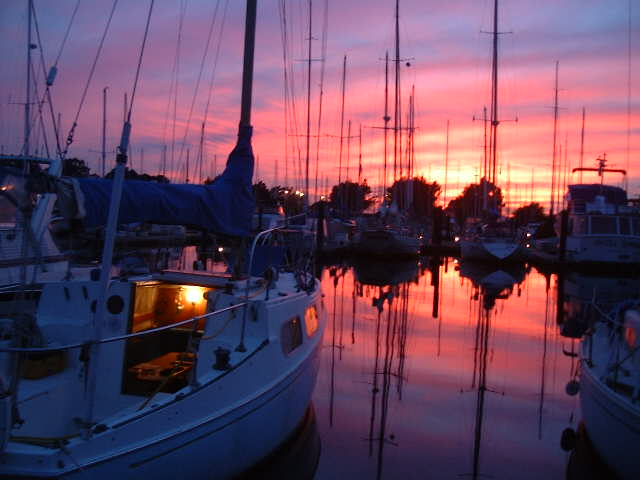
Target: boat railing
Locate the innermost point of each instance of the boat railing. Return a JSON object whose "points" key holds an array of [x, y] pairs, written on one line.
{"points": [[118, 338]]}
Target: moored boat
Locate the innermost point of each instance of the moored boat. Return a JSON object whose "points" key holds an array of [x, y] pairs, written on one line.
{"points": [[603, 228], [610, 390]]}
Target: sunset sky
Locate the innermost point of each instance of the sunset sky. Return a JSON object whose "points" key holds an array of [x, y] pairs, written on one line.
{"points": [[449, 60]]}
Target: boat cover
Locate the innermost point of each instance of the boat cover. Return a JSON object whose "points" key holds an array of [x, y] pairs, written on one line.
{"points": [[225, 206]]}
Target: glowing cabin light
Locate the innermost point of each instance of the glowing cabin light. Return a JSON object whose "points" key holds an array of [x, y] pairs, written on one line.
{"points": [[193, 294]]}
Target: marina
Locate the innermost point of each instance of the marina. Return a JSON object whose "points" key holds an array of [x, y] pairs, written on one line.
{"points": [[317, 241]]}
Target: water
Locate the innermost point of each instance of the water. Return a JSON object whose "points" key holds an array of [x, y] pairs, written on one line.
{"points": [[460, 373]]}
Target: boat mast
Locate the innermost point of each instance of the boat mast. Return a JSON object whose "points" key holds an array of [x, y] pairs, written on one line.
{"points": [[555, 146], [582, 144], [104, 130], [494, 97], [396, 112], [247, 70], [446, 167], [344, 78], [386, 123], [27, 105], [306, 168]]}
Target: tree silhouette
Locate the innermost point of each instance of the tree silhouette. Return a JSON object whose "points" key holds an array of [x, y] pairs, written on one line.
{"points": [[470, 202], [350, 198]]}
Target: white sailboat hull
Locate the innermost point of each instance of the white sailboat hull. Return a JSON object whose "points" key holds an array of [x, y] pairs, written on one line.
{"points": [[217, 428], [494, 250], [612, 423], [219, 445]]}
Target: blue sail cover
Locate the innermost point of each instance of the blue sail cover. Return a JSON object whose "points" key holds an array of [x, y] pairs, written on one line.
{"points": [[224, 207]]}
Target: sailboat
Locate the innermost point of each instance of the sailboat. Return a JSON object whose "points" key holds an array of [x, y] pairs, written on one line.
{"points": [[491, 241], [610, 388], [387, 233], [164, 375]]}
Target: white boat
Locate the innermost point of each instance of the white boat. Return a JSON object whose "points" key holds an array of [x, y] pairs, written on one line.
{"points": [[490, 243], [170, 389], [602, 227], [170, 375], [490, 249], [610, 391]]}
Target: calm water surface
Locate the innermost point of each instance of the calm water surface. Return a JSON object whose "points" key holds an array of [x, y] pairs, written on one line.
{"points": [[452, 371]]}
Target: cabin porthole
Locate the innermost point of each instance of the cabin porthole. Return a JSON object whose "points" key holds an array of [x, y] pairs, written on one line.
{"points": [[115, 304]]}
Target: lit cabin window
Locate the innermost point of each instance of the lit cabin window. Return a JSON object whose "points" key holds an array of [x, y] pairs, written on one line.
{"points": [[156, 305], [601, 224], [291, 335], [311, 320]]}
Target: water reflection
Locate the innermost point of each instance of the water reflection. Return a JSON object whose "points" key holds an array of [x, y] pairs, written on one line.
{"points": [[449, 368]]}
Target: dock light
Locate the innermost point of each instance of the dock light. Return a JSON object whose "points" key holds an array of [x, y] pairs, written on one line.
{"points": [[528, 245], [193, 294], [286, 192], [528, 234], [220, 249], [323, 197], [456, 239]]}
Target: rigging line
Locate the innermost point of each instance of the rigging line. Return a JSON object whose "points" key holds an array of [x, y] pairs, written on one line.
{"points": [[205, 54], [323, 56], [283, 39], [46, 96], [86, 87], [183, 11], [66, 34], [144, 43], [215, 61]]}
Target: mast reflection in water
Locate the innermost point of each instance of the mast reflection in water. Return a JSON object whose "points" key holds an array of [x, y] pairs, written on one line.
{"points": [[450, 370]]}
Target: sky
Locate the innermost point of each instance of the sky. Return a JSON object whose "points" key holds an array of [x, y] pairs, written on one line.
{"points": [[447, 61]]}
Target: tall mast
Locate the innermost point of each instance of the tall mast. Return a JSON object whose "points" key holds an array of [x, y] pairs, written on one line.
{"points": [[555, 146], [485, 160], [582, 143], [321, 95], [247, 70], [346, 175], [446, 167], [396, 112], [104, 129], [494, 96], [306, 168], [360, 154], [386, 122], [344, 78], [27, 105]]}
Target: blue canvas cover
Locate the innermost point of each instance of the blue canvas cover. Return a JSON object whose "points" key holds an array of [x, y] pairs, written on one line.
{"points": [[224, 207]]}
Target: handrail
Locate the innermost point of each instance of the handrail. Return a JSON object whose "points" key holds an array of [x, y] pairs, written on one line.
{"points": [[264, 233], [122, 337]]}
